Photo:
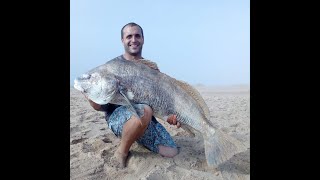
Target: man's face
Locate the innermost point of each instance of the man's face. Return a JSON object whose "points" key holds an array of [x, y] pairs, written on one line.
{"points": [[132, 40]]}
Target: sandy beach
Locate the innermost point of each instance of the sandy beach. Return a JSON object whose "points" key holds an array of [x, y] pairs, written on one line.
{"points": [[92, 143]]}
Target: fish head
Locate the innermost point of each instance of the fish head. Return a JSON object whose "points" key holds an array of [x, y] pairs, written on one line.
{"points": [[99, 88]]}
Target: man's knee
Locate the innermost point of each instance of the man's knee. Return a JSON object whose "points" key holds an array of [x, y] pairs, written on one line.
{"points": [[167, 151], [145, 116]]}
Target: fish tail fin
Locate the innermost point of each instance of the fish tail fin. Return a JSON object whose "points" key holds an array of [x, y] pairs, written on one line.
{"points": [[220, 147]]}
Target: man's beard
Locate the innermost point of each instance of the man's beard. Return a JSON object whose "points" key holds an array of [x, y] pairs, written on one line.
{"points": [[138, 52]]}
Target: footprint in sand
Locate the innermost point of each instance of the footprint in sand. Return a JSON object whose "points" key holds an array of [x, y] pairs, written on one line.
{"points": [[78, 140]]}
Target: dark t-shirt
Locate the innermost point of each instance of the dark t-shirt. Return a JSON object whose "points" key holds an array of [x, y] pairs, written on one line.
{"points": [[108, 109]]}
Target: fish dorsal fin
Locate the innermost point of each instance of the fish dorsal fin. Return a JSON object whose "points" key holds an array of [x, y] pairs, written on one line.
{"points": [[195, 94], [149, 63]]}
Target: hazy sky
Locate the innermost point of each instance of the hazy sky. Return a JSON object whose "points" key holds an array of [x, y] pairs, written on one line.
{"points": [[197, 41]]}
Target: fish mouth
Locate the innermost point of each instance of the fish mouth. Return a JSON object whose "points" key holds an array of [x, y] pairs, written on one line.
{"points": [[77, 86]]}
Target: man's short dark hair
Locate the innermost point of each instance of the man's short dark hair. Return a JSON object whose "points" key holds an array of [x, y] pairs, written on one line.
{"points": [[131, 24]]}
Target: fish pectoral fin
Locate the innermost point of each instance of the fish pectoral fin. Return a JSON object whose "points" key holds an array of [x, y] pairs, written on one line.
{"points": [[187, 129], [129, 103]]}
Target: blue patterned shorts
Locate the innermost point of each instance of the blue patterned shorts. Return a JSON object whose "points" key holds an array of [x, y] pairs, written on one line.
{"points": [[154, 135]]}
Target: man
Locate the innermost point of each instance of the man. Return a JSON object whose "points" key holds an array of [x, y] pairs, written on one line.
{"points": [[124, 123]]}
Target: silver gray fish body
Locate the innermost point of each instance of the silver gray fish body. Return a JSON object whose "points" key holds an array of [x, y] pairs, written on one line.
{"points": [[143, 85]]}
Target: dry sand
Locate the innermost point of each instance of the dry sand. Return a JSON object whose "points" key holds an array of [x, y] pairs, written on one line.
{"points": [[92, 143]]}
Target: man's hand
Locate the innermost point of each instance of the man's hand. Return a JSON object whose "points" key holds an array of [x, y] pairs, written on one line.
{"points": [[95, 106], [172, 119]]}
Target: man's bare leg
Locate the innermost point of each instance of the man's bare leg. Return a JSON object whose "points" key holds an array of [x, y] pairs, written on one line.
{"points": [[132, 130]]}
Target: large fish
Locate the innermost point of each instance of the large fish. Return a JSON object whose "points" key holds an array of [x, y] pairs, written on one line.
{"points": [[128, 82]]}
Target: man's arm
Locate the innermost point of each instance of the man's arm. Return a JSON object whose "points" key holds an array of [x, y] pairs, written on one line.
{"points": [[172, 119], [95, 106]]}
